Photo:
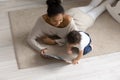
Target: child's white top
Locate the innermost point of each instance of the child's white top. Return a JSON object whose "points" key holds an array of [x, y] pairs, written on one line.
{"points": [[42, 28], [85, 39]]}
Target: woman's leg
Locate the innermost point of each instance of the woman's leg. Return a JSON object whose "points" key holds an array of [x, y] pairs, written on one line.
{"points": [[100, 9], [92, 5]]}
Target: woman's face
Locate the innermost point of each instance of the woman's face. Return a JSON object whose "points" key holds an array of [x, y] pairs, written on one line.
{"points": [[56, 20]]}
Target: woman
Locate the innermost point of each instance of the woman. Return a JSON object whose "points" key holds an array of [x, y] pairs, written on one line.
{"points": [[57, 22]]}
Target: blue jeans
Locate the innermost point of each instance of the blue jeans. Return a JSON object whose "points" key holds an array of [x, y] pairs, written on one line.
{"points": [[88, 48]]}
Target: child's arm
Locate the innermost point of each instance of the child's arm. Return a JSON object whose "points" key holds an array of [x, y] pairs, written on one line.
{"points": [[69, 51], [75, 61]]}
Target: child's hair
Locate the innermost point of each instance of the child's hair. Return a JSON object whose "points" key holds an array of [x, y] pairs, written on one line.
{"points": [[54, 7], [73, 37]]}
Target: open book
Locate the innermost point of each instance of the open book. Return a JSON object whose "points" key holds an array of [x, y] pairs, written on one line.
{"points": [[60, 53]]}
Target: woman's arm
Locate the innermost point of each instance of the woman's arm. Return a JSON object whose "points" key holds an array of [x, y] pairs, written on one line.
{"points": [[33, 43], [60, 42], [48, 40], [34, 34]]}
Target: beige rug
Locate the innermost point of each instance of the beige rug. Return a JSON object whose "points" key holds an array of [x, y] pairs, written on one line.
{"points": [[105, 35]]}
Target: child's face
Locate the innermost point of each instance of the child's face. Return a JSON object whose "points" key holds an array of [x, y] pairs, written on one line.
{"points": [[71, 45]]}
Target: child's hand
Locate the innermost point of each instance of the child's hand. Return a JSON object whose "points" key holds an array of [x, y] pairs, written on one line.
{"points": [[75, 61], [69, 52]]}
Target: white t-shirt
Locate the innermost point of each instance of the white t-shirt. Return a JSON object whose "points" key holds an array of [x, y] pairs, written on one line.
{"points": [[85, 39]]}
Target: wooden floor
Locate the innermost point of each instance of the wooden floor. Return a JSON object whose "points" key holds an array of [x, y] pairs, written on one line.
{"points": [[106, 67]]}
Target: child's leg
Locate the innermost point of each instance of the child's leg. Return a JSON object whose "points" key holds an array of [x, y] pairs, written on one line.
{"points": [[100, 9], [87, 49], [92, 5]]}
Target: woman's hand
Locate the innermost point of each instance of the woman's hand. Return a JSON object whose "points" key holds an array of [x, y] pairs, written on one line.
{"points": [[48, 40], [43, 51]]}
